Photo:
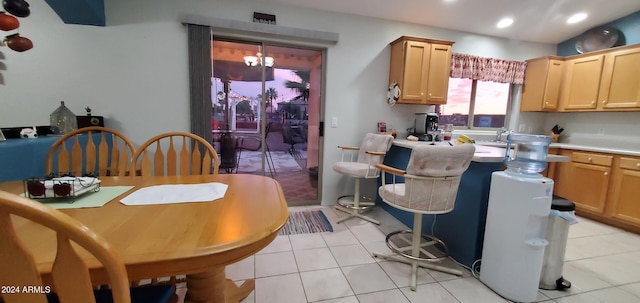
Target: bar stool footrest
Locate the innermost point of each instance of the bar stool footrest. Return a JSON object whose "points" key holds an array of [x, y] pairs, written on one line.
{"points": [[364, 204], [437, 253]]}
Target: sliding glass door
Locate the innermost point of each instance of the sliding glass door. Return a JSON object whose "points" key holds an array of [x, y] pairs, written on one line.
{"points": [[266, 113]]}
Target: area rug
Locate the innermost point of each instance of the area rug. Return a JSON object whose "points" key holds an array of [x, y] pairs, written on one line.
{"points": [[251, 161], [306, 222]]}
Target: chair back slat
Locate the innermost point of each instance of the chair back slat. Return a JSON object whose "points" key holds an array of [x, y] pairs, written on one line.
{"points": [[184, 159], [171, 159], [70, 274], [82, 152], [90, 155], [71, 278], [103, 149], [196, 155], [76, 159], [122, 162], [145, 165], [196, 162], [63, 161], [158, 160], [206, 166]]}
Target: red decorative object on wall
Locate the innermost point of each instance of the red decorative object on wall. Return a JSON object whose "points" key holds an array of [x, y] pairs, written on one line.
{"points": [[18, 43], [8, 22]]}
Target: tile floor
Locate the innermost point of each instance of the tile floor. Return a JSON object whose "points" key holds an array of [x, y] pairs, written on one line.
{"points": [[602, 262]]}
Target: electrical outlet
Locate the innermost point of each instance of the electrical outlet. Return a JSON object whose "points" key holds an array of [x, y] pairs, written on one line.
{"points": [[334, 122], [601, 131]]}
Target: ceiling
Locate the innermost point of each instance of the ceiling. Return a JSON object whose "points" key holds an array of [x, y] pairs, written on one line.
{"points": [[541, 21]]}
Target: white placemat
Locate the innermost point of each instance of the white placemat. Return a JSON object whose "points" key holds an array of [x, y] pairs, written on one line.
{"points": [[176, 193]]}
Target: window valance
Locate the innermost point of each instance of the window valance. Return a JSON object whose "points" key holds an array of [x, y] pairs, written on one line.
{"points": [[487, 69]]}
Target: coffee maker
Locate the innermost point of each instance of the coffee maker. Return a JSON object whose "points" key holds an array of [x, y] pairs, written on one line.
{"points": [[426, 127]]}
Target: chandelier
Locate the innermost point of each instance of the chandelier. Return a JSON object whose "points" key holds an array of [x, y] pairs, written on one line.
{"points": [[258, 59]]}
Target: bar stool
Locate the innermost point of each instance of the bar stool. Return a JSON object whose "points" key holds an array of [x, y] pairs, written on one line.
{"points": [[370, 153], [430, 186]]}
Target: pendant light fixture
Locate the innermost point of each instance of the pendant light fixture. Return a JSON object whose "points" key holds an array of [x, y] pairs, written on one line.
{"points": [[258, 59]]}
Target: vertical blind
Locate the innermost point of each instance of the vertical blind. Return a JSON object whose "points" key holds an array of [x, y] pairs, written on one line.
{"points": [[199, 44]]}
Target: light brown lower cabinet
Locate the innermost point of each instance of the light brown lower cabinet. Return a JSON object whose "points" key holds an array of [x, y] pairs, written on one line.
{"points": [[624, 196], [604, 187]]}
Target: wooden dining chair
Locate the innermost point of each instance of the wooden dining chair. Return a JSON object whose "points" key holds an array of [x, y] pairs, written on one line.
{"points": [[175, 153], [95, 151], [70, 275]]}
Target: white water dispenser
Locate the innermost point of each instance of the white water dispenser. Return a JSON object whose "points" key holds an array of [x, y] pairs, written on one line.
{"points": [[515, 229]]}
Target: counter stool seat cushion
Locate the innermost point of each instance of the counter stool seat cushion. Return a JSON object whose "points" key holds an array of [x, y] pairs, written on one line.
{"points": [[354, 169]]}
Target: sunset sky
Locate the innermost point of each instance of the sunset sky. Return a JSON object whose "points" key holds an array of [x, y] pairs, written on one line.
{"points": [[253, 89], [491, 97]]}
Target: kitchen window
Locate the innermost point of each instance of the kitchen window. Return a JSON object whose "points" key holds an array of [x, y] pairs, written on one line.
{"points": [[474, 104]]}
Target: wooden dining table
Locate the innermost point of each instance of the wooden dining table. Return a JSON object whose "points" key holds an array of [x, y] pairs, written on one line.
{"points": [[196, 239]]}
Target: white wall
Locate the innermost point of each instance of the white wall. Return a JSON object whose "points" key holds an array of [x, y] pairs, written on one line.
{"points": [[134, 71], [619, 130]]}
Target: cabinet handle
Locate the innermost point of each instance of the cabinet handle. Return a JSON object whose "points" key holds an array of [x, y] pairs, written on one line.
{"points": [[429, 94], [421, 94], [604, 101], [589, 159], [593, 102], [546, 102], [638, 164], [606, 173]]}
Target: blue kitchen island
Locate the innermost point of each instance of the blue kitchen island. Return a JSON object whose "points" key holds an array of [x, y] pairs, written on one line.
{"points": [[463, 228]]}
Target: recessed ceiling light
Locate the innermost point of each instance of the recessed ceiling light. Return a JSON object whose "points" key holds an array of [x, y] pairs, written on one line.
{"points": [[505, 23], [577, 18]]}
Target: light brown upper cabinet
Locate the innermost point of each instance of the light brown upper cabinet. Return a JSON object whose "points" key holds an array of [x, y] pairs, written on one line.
{"points": [[421, 67], [620, 84], [582, 82], [542, 80]]}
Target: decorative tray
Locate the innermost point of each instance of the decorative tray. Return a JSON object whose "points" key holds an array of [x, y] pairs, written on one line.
{"points": [[598, 38], [63, 187]]}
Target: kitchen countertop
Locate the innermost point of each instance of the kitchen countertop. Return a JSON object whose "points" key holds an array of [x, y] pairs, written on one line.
{"points": [[596, 149], [609, 150], [483, 153]]}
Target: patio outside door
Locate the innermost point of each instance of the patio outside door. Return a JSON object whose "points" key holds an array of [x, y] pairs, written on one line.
{"points": [[266, 113]]}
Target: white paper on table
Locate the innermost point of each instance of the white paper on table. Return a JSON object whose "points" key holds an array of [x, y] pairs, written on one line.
{"points": [[176, 193]]}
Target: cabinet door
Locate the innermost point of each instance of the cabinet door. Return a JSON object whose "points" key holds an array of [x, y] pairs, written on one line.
{"points": [[588, 186], [620, 84], [582, 82], [542, 80], [625, 191], [416, 72], [439, 72], [551, 96]]}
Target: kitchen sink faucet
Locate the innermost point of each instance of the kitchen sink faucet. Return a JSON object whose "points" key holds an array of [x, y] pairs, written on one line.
{"points": [[500, 132]]}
